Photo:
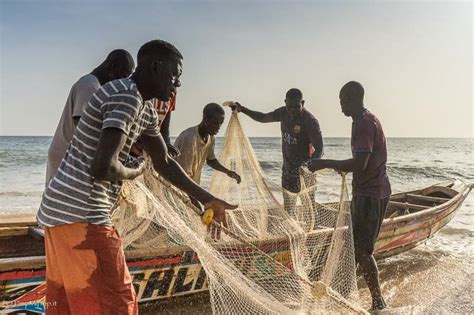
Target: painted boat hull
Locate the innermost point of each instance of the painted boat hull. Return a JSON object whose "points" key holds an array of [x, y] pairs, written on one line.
{"points": [[405, 232], [177, 271]]}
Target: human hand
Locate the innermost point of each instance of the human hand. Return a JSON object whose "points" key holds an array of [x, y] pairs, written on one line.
{"points": [[172, 150], [219, 206], [236, 107], [137, 149], [138, 166], [316, 165], [235, 176], [340, 172]]}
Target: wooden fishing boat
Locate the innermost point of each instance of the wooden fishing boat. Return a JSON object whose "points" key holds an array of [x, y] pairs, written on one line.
{"points": [[412, 218]]}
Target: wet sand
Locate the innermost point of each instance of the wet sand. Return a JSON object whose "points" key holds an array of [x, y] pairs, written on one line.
{"points": [[430, 281], [197, 304]]}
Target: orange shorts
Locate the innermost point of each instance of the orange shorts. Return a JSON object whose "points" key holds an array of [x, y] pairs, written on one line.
{"points": [[86, 272]]}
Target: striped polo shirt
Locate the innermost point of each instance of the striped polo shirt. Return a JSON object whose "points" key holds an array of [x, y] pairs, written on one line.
{"points": [[73, 195]]}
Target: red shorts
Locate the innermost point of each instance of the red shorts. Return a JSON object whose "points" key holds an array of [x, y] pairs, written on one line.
{"points": [[86, 272]]}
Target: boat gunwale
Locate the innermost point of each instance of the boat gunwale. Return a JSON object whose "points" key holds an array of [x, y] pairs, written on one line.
{"points": [[461, 195]]}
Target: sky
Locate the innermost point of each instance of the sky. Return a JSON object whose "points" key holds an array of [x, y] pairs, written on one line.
{"points": [[414, 59]]}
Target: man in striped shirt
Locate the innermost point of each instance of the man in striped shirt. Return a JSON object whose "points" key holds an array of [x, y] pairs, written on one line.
{"points": [[86, 271]]}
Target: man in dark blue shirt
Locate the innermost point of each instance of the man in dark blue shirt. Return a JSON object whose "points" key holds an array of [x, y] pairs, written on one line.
{"points": [[301, 139]]}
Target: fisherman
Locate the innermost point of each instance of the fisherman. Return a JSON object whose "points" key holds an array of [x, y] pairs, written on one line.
{"points": [[301, 140], [196, 145], [370, 184], [86, 272], [118, 64]]}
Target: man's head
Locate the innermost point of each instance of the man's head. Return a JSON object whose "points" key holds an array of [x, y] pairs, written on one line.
{"points": [[161, 65], [119, 64], [351, 98], [212, 118], [294, 103]]}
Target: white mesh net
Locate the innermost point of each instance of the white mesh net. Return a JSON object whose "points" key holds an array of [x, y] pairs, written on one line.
{"points": [[277, 259]]}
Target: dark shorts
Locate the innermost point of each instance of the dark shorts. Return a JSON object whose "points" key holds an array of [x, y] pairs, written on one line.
{"points": [[290, 180], [367, 217]]}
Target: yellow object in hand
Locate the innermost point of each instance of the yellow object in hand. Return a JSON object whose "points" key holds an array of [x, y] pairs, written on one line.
{"points": [[207, 216]]}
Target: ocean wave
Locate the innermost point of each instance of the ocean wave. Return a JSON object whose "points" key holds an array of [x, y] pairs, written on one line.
{"points": [[429, 172], [270, 165], [456, 231], [25, 158], [401, 172], [335, 145], [20, 193]]}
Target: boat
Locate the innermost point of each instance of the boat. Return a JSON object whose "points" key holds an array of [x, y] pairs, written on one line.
{"points": [[411, 218]]}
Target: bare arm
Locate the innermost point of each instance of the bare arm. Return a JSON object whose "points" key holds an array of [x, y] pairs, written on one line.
{"points": [[165, 128], [165, 132], [315, 136], [258, 116], [106, 165], [358, 163], [171, 170], [215, 164], [317, 142]]}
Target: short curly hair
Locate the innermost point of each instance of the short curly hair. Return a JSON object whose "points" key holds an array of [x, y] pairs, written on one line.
{"points": [[159, 48], [354, 89], [212, 109], [294, 93]]}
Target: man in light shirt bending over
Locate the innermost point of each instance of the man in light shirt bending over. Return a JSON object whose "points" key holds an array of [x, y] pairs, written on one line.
{"points": [[118, 64], [196, 145]]}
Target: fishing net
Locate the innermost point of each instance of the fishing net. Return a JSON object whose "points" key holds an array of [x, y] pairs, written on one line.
{"points": [[272, 259]]}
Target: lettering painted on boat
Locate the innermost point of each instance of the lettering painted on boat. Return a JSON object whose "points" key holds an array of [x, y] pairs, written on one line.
{"points": [[174, 281], [152, 284]]}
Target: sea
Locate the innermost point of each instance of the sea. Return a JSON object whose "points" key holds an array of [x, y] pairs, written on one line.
{"points": [[435, 277]]}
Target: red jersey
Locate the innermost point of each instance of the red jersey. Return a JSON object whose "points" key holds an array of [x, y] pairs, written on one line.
{"points": [[163, 108]]}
